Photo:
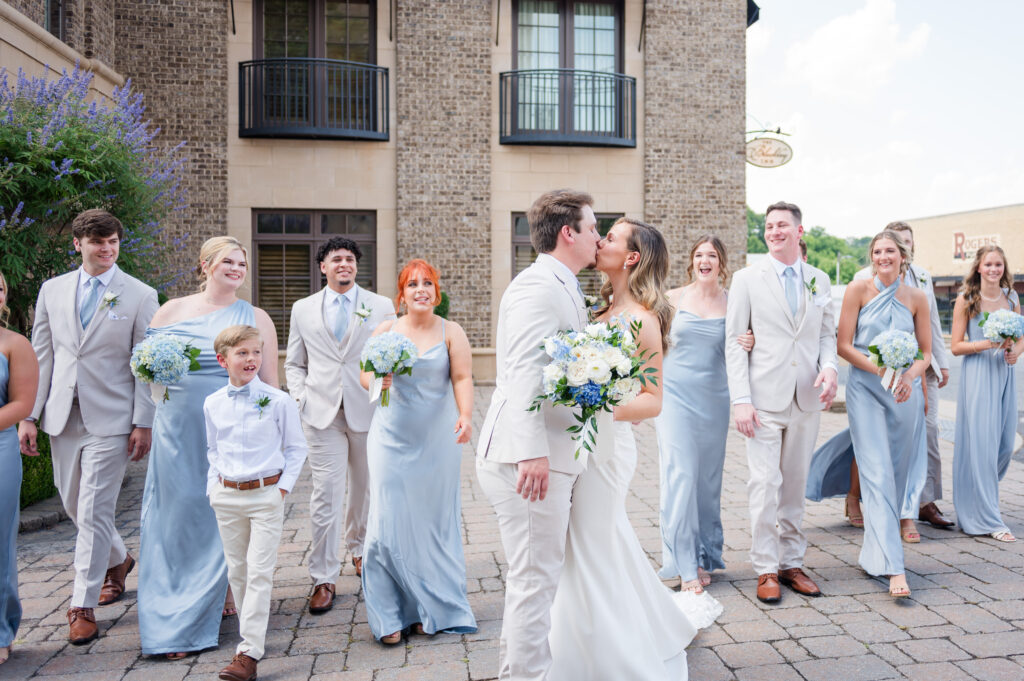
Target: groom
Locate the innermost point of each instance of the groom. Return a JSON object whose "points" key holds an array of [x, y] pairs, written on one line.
{"points": [[525, 459], [775, 393], [97, 414]]}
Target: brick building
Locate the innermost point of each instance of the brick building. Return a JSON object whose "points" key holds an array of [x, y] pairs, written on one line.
{"points": [[421, 128]]}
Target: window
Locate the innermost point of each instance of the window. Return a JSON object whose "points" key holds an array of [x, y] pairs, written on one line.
{"points": [[284, 258], [56, 19], [325, 29], [523, 254]]}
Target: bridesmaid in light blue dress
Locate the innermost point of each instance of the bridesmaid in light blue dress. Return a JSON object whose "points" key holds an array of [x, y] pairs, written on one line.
{"points": [[694, 421], [414, 571], [182, 574], [887, 430], [19, 376], [986, 409]]}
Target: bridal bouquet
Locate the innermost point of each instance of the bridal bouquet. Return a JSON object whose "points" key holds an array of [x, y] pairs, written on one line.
{"points": [[1002, 325], [895, 350], [388, 353], [593, 370], [163, 360]]}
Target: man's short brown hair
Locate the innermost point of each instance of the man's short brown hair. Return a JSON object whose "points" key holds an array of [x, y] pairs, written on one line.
{"points": [[235, 335], [96, 223], [798, 215], [552, 210]]}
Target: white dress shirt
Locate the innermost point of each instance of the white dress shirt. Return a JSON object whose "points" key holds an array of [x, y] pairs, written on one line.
{"points": [[246, 442], [83, 289], [332, 306], [563, 272]]}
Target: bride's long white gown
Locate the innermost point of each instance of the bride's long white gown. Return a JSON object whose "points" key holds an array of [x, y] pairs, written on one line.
{"points": [[612, 617]]}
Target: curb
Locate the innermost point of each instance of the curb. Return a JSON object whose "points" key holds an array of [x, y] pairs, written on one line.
{"points": [[45, 514]]}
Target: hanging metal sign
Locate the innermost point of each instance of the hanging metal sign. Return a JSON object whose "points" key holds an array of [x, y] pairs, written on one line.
{"points": [[768, 152]]}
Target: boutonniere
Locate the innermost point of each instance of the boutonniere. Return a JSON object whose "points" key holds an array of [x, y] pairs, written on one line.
{"points": [[363, 313], [261, 402], [591, 303], [812, 286], [922, 279], [111, 300]]}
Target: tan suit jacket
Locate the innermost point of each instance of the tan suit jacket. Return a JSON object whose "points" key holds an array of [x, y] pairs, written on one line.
{"points": [[320, 370], [788, 351], [95, 361], [538, 303]]}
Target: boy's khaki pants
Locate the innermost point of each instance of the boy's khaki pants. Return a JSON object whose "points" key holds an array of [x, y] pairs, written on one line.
{"points": [[250, 528]]}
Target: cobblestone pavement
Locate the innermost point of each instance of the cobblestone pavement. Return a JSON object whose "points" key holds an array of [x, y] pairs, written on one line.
{"points": [[965, 620]]}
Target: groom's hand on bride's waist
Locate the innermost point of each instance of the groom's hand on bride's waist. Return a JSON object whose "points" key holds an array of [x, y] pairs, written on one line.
{"points": [[533, 479]]}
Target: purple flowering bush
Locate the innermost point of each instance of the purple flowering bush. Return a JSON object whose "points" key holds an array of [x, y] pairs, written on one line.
{"points": [[63, 151]]}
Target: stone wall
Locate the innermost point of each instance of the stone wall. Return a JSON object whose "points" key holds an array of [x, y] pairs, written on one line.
{"points": [[98, 30], [443, 96], [176, 55], [33, 9], [694, 161]]}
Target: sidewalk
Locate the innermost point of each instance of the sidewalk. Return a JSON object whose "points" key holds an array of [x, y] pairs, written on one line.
{"points": [[965, 620]]}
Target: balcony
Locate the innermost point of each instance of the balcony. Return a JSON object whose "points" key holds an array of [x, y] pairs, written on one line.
{"points": [[318, 98], [568, 107]]}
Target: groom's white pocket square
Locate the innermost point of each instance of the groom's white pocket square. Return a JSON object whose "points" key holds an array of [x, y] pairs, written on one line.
{"points": [[822, 301], [116, 317]]}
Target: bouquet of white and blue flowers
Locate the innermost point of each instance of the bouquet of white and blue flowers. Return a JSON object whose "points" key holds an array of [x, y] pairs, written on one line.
{"points": [[163, 359], [894, 350], [594, 370], [1002, 325], [388, 353]]}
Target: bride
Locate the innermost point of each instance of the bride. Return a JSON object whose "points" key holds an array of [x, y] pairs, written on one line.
{"points": [[612, 617]]}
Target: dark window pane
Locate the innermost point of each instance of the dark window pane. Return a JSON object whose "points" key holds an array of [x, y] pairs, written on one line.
{"points": [[367, 274], [268, 223], [296, 224], [364, 223], [332, 223], [522, 226]]}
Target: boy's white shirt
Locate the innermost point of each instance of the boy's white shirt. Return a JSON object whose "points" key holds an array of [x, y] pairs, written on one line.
{"points": [[246, 442]]}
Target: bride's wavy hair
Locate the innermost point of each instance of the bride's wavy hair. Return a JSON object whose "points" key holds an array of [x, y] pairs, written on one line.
{"points": [[894, 237], [647, 277], [970, 289]]}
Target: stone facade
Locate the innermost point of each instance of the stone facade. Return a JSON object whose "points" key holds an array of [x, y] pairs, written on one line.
{"points": [[98, 39], [694, 113], [33, 9], [443, 90]]}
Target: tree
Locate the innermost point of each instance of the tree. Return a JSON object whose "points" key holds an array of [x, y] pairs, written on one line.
{"points": [[755, 232], [60, 154]]}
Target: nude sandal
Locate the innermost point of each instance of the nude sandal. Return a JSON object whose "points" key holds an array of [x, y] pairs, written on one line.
{"points": [[1003, 536], [392, 639]]}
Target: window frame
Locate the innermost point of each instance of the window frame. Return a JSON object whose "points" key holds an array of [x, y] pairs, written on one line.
{"points": [[313, 239], [518, 240], [317, 21], [566, 33]]}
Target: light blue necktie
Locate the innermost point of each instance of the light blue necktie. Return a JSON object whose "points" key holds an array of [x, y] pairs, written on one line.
{"points": [[790, 274], [89, 302], [341, 323]]}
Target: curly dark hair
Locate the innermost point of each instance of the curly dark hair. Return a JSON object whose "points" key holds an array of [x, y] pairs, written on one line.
{"points": [[336, 243]]}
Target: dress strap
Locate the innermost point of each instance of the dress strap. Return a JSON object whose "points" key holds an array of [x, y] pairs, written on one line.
{"points": [[442, 329], [1011, 298]]}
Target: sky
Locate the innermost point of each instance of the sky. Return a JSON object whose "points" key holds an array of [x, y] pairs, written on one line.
{"points": [[896, 109]]}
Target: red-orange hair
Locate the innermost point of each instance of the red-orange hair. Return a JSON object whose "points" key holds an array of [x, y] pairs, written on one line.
{"points": [[422, 269]]}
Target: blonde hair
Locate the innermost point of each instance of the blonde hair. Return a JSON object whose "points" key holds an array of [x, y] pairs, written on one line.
{"points": [[213, 251], [647, 278], [900, 244], [970, 289], [235, 335], [5, 312]]}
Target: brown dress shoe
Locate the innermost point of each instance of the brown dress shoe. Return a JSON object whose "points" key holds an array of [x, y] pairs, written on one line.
{"points": [[113, 585], [81, 626], [322, 599], [242, 668], [768, 588], [799, 582], [930, 513], [358, 562]]}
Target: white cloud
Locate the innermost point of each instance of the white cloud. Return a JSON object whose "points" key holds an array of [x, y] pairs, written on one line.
{"points": [[853, 55]]}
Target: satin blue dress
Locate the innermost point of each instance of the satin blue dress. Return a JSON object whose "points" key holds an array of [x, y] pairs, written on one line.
{"points": [[889, 440], [10, 492], [183, 578], [692, 428], [986, 418], [413, 565]]}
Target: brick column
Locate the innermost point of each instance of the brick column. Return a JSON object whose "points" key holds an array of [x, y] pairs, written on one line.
{"points": [[443, 133], [694, 113]]}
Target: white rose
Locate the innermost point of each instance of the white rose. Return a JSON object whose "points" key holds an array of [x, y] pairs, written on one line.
{"points": [[625, 366], [597, 330], [576, 373], [552, 375], [590, 354], [550, 346], [599, 372], [626, 389]]}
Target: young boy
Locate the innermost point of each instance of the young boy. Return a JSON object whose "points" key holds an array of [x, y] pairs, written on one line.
{"points": [[256, 451]]}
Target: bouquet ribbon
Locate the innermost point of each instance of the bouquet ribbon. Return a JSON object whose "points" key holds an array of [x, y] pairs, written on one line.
{"points": [[891, 379]]}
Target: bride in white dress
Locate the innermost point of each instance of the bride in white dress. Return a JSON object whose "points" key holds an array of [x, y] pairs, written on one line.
{"points": [[612, 617]]}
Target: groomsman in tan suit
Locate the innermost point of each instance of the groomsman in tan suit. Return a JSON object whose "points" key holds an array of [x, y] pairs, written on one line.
{"points": [[525, 459], [778, 391], [326, 336], [97, 414]]}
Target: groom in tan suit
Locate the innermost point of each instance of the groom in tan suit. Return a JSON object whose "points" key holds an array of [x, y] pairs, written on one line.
{"points": [[325, 339], [778, 391], [97, 414], [525, 459]]}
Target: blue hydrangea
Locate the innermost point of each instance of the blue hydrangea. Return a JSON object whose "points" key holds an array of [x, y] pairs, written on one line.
{"points": [[894, 349], [388, 353], [162, 359], [1002, 325], [587, 395]]}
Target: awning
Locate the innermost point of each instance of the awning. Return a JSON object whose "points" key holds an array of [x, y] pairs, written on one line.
{"points": [[753, 12]]}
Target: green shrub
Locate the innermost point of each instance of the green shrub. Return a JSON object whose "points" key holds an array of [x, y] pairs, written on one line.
{"points": [[37, 477], [441, 310]]}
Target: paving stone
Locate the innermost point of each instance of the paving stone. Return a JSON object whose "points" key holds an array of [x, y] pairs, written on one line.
{"points": [[833, 646], [875, 631], [750, 654], [769, 672], [860, 668], [934, 671], [992, 645], [446, 671], [704, 664], [972, 618], [758, 630], [994, 669], [890, 653], [791, 650], [932, 650]]}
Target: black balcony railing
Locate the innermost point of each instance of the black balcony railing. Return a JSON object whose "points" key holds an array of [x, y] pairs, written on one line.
{"points": [[568, 107], [312, 98]]}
